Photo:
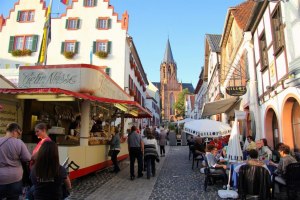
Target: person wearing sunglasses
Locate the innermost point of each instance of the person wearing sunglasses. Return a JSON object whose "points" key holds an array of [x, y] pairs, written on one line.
{"points": [[13, 151]]}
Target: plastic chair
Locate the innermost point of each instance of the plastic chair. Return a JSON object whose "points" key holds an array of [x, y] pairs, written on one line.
{"points": [[254, 181], [210, 176], [292, 180]]}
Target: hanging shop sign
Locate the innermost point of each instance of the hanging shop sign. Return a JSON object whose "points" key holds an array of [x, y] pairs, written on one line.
{"points": [[236, 90]]}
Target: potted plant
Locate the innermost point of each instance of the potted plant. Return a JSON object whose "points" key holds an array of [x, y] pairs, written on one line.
{"points": [[69, 54], [101, 54]]}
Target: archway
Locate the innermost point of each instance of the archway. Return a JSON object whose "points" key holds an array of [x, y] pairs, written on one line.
{"points": [[272, 131], [291, 123]]}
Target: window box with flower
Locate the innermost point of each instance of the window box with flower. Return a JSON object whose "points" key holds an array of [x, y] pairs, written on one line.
{"points": [[101, 54], [69, 54], [19, 52]]}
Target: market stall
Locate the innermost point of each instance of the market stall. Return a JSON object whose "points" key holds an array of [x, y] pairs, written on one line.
{"points": [[57, 94]]}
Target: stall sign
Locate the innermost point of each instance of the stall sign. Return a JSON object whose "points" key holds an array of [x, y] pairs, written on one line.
{"points": [[236, 90], [8, 114]]}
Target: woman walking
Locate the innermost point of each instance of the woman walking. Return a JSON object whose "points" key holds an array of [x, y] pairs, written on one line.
{"points": [[150, 153], [115, 148]]}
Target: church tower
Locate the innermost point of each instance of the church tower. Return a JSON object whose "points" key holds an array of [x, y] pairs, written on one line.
{"points": [[169, 86]]}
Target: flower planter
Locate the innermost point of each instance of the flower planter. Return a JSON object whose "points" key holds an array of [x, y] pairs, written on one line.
{"points": [[69, 54], [101, 54], [25, 52]]}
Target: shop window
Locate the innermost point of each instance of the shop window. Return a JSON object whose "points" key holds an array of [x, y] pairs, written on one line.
{"points": [[89, 3], [72, 23], [103, 23], [25, 16], [277, 25], [23, 42], [263, 52], [69, 46]]}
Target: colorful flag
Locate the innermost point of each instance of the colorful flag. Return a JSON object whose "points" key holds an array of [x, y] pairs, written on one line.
{"points": [[66, 2], [46, 36]]}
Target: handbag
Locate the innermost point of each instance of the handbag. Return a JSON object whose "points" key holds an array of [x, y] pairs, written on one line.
{"points": [[110, 152]]}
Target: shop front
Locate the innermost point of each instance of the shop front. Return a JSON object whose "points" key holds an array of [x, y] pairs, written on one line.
{"points": [[58, 95]]}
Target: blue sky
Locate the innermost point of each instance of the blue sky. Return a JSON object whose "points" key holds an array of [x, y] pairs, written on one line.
{"points": [[151, 22]]}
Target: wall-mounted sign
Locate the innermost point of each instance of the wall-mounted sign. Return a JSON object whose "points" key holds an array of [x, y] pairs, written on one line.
{"points": [[236, 90]]}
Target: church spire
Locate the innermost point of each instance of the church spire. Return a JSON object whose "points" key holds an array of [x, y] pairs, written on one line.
{"points": [[168, 58]]}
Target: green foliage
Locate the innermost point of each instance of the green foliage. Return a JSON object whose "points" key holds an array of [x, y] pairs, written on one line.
{"points": [[180, 103], [101, 54], [18, 52], [171, 126], [69, 54]]}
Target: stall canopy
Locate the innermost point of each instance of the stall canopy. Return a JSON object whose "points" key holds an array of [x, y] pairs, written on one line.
{"points": [[184, 120], [220, 106], [131, 108]]}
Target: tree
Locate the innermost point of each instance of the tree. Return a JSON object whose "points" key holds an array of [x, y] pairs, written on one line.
{"points": [[179, 105]]}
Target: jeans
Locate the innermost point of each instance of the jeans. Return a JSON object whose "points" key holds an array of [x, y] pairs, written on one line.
{"points": [[114, 159], [11, 191], [162, 150], [150, 160]]}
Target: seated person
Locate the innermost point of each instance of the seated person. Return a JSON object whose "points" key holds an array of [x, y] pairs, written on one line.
{"points": [[264, 151], [276, 154], [211, 154], [250, 144], [253, 154], [199, 146], [285, 160]]}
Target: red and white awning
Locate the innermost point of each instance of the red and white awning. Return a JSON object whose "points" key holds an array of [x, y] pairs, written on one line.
{"points": [[131, 108]]}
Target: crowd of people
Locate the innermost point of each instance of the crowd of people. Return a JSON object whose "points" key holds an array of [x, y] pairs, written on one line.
{"points": [[46, 176], [256, 153], [143, 147]]}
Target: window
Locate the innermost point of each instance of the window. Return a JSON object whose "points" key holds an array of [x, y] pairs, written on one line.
{"points": [[263, 51], [103, 23], [277, 30], [69, 46], [25, 16], [23, 42], [89, 3], [72, 23], [102, 45]]}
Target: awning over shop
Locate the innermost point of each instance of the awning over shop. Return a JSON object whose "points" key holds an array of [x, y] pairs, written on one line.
{"points": [[131, 108], [217, 107]]}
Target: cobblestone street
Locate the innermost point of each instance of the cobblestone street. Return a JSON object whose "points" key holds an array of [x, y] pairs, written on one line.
{"points": [[175, 180]]}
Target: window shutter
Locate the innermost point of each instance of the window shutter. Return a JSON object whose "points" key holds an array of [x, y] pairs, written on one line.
{"points": [[95, 2], [18, 16], [109, 47], [11, 44], [97, 23], [84, 2], [94, 47], [78, 23], [62, 50], [66, 24], [76, 47], [34, 43], [107, 71], [109, 23]]}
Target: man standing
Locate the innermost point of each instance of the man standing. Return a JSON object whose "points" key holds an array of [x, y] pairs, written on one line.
{"points": [[135, 148]]}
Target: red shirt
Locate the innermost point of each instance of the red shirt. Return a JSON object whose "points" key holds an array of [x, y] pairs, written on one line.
{"points": [[218, 144]]}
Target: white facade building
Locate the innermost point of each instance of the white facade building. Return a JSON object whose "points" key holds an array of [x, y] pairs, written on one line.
{"points": [[153, 105]]}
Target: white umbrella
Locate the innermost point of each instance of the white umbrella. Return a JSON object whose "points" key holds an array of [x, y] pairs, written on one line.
{"points": [[207, 128], [184, 120], [234, 150]]}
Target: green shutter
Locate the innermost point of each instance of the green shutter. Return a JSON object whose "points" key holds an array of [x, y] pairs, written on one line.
{"points": [[34, 43], [66, 24], [97, 21], [94, 47], [109, 47], [78, 23], [107, 71], [84, 2], [18, 16], [109, 23], [76, 47], [62, 50], [95, 2], [11, 44]]}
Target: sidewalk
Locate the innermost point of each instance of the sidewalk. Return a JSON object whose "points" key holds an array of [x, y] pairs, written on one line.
{"points": [[121, 187]]}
